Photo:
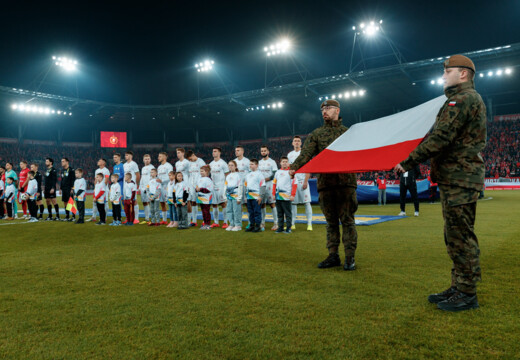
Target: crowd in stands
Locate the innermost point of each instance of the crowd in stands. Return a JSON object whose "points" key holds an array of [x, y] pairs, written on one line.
{"points": [[501, 155]]}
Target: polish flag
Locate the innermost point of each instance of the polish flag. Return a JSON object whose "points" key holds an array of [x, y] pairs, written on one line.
{"points": [[378, 144]]}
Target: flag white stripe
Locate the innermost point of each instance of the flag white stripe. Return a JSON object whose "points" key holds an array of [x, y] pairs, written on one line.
{"points": [[411, 124]]}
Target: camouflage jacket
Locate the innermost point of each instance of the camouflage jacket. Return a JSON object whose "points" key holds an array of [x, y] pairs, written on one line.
{"points": [[315, 143], [456, 139]]}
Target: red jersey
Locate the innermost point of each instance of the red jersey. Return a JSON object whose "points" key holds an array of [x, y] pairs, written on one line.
{"points": [[381, 184], [22, 177]]}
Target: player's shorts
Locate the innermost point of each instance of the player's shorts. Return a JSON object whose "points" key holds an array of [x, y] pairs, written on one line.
{"points": [[164, 194], [302, 196], [268, 197], [65, 195], [219, 196], [145, 196], [48, 194]]}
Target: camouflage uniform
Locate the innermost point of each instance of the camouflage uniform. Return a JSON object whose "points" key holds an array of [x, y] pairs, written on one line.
{"points": [[337, 192], [454, 145]]}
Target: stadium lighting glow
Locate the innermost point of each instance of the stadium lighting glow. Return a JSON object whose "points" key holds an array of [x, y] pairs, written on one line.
{"points": [[369, 29], [345, 95], [280, 47], [488, 73], [276, 105], [205, 66], [66, 63], [44, 110]]}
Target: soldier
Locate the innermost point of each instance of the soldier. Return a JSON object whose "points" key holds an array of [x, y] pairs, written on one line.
{"points": [[454, 145], [337, 192]]}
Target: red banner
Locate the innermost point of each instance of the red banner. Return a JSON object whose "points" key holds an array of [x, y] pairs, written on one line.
{"points": [[111, 139]]}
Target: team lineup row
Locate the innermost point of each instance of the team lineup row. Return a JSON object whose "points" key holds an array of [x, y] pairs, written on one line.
{"points": [[182, 187]]}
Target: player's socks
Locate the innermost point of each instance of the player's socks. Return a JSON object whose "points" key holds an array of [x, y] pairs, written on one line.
{"points": [[194, 213], [49, 209], [165, 216], [24, 207], [57, 209], [67, 214], [224, 211], [215, 215], [136, 212], [147, 212], [263, 216], [42, 209], [274, 211], [294, 210], [308, 213]]}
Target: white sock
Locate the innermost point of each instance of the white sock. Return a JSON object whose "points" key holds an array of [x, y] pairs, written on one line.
{"points": [[308, 213], [294, 210], [224, 214], [136, 212], [165, 215], [275, 215], [94, 211], [146, 212], [263, 216], [215, 215], [194, 213]]}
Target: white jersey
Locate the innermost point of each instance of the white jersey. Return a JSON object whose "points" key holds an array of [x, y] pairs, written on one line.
{"points": [[254, 184], [162, 173], [219, 169], [80, 184], [145, 175], [242, 167], [284, 186], [115, 193], [203, 197], [106, 175], [292, 156], [131, 167], [180, 188], [268, 168], [128, 191], [233, 186], [183, 167], [154, 189], [10, 191], [194, 170], [100, 188], [32, 189]]}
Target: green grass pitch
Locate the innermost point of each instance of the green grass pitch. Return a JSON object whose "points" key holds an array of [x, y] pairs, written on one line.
{"points": [[84, 291]]}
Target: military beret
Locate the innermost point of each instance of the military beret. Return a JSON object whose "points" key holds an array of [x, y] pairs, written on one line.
{"points": [[330, 103], [459, 61]]}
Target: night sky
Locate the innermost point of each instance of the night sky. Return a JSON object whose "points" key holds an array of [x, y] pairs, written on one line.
{"points": [[145, 54]]}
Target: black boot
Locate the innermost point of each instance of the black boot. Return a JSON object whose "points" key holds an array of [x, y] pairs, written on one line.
{"points": [[331, 261], [459, 301], [250, 228], [445, 295], [350, 264], [257, 228]]}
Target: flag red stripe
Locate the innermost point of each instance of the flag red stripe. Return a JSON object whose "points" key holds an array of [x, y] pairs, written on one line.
{"points": [[382, 158]]}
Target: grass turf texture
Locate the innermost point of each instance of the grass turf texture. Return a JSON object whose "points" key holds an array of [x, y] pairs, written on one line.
{"points": [[85, 291]]}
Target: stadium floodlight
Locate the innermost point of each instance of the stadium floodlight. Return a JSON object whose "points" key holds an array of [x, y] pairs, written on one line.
{"points": [[281, 47], [275, 105], [490, 73], [508, 71], [370, 28], [66, 63], [347, 95], [205, 66], [38, 109]]}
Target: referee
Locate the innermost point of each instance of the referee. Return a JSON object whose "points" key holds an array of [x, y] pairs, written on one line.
{"points": [[66, 185], [50, 189]]}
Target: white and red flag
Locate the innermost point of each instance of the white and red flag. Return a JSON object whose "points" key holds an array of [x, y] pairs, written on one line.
{"points": [[377, 144]]}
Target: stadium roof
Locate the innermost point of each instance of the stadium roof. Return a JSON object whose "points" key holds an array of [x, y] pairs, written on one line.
{"points": [[388, 89]]}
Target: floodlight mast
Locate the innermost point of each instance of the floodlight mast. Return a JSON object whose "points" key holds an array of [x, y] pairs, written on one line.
{"points": [[282, 47]]}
